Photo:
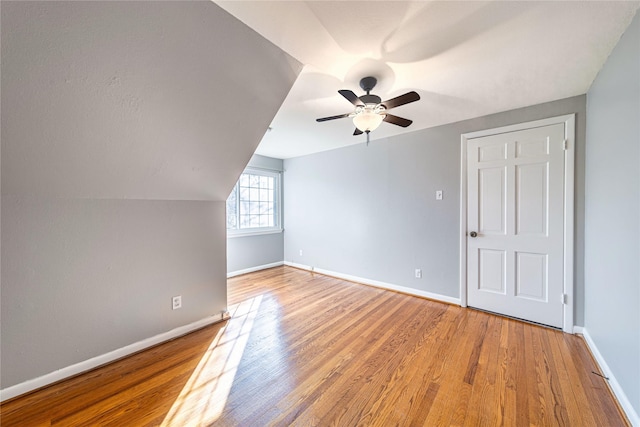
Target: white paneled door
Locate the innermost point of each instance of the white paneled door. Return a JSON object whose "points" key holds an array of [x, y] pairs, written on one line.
{"points": [[515, 223]]}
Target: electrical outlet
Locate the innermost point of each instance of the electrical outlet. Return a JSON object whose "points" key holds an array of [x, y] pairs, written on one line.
{"points": [[418, 273], [300, 252], [176, 302]]}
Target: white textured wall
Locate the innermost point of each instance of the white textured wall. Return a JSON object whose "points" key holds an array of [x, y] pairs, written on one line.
{"points": [[612, 213], [123, 130]]}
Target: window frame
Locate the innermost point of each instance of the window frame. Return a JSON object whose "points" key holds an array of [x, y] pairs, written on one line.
{"points": [[277, 204]]}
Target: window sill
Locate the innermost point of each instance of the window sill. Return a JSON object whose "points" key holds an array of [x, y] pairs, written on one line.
{"points": [[252, 233]]}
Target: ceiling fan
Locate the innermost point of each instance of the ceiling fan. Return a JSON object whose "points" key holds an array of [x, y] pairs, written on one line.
{"points": [[370, 111]]}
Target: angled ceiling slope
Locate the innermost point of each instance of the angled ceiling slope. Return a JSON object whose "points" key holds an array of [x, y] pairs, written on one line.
{"points": [[133, 100], [465, 59]]}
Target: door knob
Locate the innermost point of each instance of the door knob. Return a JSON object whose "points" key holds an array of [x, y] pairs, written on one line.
{"points": [[473, 234]]}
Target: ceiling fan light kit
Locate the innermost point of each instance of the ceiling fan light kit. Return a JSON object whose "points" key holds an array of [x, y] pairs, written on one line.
{"points": [[370, 111], [369, 117]]}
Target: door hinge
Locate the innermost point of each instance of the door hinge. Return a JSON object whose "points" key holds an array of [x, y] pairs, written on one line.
{"points": [[565, 144], [565, 299]]}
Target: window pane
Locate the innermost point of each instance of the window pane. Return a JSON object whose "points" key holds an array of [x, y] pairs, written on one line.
{"points": [[232, 222], [252, 203], [232, 218]]}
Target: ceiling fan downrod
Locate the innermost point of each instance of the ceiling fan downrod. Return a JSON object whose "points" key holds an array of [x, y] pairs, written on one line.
{"points": [[368, 83]]}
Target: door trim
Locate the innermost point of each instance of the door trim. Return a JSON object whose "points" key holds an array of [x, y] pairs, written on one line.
{"points": [[569, 178]]}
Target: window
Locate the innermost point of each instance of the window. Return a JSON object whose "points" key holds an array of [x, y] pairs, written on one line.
{"points": [[254, 203]]}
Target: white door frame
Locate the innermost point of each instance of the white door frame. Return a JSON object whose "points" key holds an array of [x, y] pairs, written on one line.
{"points": [[569, 162]]}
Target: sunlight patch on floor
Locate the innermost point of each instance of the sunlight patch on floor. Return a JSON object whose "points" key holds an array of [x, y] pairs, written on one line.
{"points": [[205, 394]]}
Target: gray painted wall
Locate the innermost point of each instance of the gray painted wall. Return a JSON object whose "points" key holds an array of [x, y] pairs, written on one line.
{"points": [[371, 211], [83, 277], [612, 213], [123, 131], [264, 162], [245, 252]]}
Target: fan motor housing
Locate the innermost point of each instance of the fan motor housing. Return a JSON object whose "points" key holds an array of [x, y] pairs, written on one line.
{"points": [[371, 99]]}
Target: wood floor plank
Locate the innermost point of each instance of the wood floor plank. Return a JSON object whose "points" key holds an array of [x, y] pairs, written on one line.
{"points": [[536, 402], [593, 384], [452, 403], [505, 400], [339, 345], [414, 387], [558, 408], [307, 349], [377, 378], [481, 386], [572, 386], [370, 341], [490, 394]]}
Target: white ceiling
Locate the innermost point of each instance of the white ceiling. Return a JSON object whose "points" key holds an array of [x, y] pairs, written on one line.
{"points": [[465, 59]]}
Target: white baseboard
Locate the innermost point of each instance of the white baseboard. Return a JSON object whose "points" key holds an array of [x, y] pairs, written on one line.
{"points": [[252, 269], [378, 284], [94, 362], [628, 409]]}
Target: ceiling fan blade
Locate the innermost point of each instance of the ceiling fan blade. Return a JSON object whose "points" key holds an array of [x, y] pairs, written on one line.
{"points": [[390, 118], [357, 132], [351, 97], [401, 100], [324, 119]]}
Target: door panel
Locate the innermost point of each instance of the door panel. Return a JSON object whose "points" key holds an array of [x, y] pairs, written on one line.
{"points": [[492, 271], [516, 205], [492, 207], [532, 148], [531, 199], [492, 152], [531, 276]]}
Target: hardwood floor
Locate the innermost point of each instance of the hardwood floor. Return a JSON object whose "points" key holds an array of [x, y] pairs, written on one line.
{"points": [[306, 349]]}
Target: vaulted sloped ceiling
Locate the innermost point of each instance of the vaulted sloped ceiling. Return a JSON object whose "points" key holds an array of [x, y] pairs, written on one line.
{"points": [[133, 100]]}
